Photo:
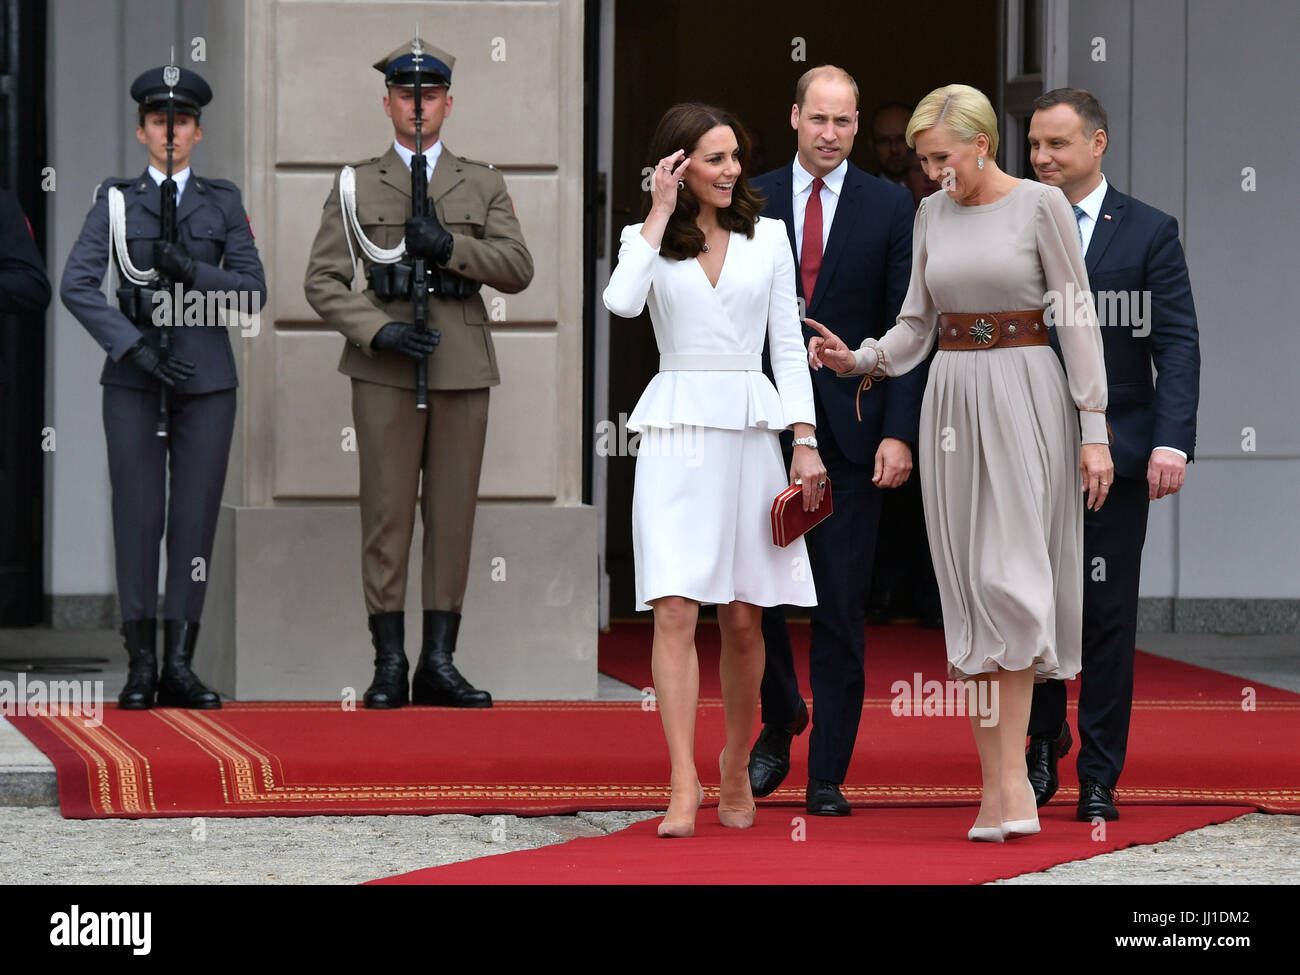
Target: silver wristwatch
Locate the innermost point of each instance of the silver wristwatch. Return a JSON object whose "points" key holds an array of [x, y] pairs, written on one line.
{"points": [[806, 442]]}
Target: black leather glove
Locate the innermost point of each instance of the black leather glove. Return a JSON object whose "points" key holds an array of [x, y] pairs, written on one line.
{"points": [[169, 373], [174, 261], [405, 339], [429, 239]]}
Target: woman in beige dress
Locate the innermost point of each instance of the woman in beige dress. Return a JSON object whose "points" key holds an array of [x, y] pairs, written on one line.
{"points": [[1004, 464]]}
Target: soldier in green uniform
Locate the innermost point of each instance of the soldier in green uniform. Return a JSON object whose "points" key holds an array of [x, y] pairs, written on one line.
{"points": [[408, 455]]}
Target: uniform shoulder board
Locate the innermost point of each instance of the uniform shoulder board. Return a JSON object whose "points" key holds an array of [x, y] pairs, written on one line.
{"points": [[120, 182], [476, 162], [364, 162], [220, 184]]}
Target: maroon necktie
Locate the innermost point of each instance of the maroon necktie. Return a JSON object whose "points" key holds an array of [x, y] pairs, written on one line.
{"points": [[810, 257]]}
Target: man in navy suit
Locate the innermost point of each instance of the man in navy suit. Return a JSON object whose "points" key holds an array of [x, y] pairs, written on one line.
{"points": [[851, 235], [1144, 301], [24, 288]]}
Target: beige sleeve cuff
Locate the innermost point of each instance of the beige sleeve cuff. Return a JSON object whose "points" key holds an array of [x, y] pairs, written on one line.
{"points": [[1093, 427]]}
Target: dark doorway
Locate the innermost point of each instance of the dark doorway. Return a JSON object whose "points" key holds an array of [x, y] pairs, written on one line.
{"points": [[22, 337], [746, 56]]}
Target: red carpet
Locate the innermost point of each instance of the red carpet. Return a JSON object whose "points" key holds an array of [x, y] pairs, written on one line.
{"points": [[873, 846], [1190, 740], [1191, 744]]}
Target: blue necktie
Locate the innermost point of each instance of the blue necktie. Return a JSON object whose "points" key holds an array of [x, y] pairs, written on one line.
{"points": [[1079, 214]]}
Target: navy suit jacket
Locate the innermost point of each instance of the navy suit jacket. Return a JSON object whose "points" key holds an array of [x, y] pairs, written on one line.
{"points": [[1135, 249], [23, 284], [860, 288]]}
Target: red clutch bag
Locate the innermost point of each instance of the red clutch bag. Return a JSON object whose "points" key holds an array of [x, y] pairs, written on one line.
{"points": [[789, 520]]}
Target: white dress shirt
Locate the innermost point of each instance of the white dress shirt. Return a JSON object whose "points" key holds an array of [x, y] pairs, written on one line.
{"points": [[1091, 207], [181, 178], [801, 183], [431, 154]]}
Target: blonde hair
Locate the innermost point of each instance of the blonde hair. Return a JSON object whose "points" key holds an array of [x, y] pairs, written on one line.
{"points": [[964, 110]]}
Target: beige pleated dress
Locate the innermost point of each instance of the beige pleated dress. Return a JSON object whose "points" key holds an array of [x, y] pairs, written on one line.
{"points": [[998, 449]]}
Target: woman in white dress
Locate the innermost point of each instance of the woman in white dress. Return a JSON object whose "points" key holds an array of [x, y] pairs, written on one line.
{"points": [[1000, 449], [718, 280]]}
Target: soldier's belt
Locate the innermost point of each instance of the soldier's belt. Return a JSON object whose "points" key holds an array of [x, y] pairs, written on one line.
{"points": [[137, 304], [966, 332], [392, 282]]}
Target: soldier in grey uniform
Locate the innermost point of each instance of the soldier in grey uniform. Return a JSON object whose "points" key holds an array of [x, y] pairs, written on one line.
{"points": [[185, 433], [408, 455]]}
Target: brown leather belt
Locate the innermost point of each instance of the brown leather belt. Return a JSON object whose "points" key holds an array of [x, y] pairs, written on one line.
{"points": [[964, 332]]}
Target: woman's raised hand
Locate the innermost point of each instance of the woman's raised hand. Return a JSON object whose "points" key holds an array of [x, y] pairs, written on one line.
{"points": [[828, 349], [663, 189]]}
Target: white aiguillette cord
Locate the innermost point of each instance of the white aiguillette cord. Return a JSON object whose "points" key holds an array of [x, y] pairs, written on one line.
{"points": [[352, 226], [117, 249]]}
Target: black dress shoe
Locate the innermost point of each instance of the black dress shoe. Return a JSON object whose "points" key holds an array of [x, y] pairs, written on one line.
{"points": [[179, 687], [141, 640], [1096, 801], [769, 759], [1041, 756], [437, 681], [389, 689], [825, 799]]}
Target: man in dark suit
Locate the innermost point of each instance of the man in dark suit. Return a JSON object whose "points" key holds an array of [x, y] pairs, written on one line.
{"points": [[181, 450], [1139, 279], [851, 234]]}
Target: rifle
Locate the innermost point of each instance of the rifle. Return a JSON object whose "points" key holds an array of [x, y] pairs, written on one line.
{"points": [[420, 204], [167, 217]]}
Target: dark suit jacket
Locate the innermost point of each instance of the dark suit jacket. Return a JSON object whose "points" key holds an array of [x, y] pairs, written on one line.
{"points": [[23, 285], [860, 288], [212, 225], [1135, 249]]}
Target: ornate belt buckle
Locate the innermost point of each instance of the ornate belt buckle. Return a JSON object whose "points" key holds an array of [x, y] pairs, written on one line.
{"points": [[984, 331]]}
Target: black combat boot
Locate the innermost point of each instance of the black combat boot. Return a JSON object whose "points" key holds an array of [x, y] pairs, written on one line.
{"points": [[437, 681], [141, 640], [389, 688], [179, 688]]}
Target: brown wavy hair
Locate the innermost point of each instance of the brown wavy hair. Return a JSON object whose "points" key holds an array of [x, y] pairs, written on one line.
{"points": [[682, 127]]}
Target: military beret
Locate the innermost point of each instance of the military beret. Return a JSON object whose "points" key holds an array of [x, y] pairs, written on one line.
{"points": [[400, 67], [187, 88]]}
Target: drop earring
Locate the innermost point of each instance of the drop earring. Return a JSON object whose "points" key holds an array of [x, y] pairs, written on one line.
{"points": [[980, 162]]}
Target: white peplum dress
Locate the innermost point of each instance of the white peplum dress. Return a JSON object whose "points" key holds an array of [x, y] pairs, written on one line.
{"points": [[709, 461], [998, 448]]}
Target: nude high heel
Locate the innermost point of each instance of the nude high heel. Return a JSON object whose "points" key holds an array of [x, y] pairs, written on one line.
{"points": [[679, 829], [985, 834], [1020, 827], [729, 817]]}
